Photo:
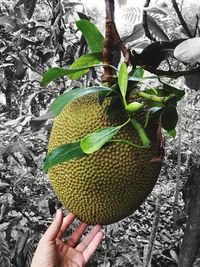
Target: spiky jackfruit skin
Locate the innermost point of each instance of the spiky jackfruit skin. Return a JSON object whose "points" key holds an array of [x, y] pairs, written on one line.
{"points": [[109, 184]]}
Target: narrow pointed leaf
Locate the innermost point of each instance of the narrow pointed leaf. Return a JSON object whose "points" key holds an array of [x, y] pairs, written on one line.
{"points": [[61, 101], [84, 61], [94, 141], [123, 79], [62, 154], [138, 79], [55, 73], [92, 35]]}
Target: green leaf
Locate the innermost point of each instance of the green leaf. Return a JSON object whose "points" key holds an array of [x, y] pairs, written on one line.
{"points": [[135, 79], [115, 108], [137, 75], [94, 141], [84, 61], [92, 35], [138, 79], [169, 118], [123, 80], [55, 73], [172, 90], [138, 72], [153, 112], [103, 95], [61, 101], [172, 133], [63, 153]]}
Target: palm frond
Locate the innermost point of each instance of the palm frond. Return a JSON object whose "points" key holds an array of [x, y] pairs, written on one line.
{"points": [[132, 14], [121, 2]]}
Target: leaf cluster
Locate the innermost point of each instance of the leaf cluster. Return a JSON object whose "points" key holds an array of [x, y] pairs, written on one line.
{"points": [[162, 101]]}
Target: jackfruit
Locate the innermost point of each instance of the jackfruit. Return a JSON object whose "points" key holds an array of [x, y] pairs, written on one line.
{"points": [[110, 184]]}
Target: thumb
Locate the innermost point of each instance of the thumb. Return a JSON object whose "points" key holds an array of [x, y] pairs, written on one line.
{"points": [[53, 230]]}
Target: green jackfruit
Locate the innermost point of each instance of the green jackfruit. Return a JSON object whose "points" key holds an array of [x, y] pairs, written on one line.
{"points": [[110, 184]]}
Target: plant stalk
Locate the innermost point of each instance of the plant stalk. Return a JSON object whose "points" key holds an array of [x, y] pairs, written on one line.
{"points": [[141, 132], [112, 38], [182, 21], [156, 98], [108, 43]]}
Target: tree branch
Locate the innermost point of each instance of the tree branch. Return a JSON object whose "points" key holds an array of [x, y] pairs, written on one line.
{"points": [[182, 21], [112, 37], [172, 74], [145, 24], [197, 26], [119, 43]]}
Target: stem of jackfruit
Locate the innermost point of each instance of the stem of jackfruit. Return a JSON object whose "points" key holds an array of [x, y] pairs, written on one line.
{"points": [[112, 38], [155, 98], [141, 132], [126, 143], [108, 43], [126, 122]]}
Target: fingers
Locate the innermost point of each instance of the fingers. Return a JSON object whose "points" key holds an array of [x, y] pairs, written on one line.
{"points": [[68, 220], [76, 235], [83, 245], [54, 228], [92, 246]]}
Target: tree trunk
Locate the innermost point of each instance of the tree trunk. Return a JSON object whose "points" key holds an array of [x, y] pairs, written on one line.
{"points": [[191, 240]]}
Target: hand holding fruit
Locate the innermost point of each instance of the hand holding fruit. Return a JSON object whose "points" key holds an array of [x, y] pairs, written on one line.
{"points": [[53, 252]]}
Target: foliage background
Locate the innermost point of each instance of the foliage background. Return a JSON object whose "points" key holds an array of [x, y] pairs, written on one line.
{"points": [[32, 39]]}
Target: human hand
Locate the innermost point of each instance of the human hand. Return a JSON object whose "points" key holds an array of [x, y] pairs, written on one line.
{"points": [[53, 252]]}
